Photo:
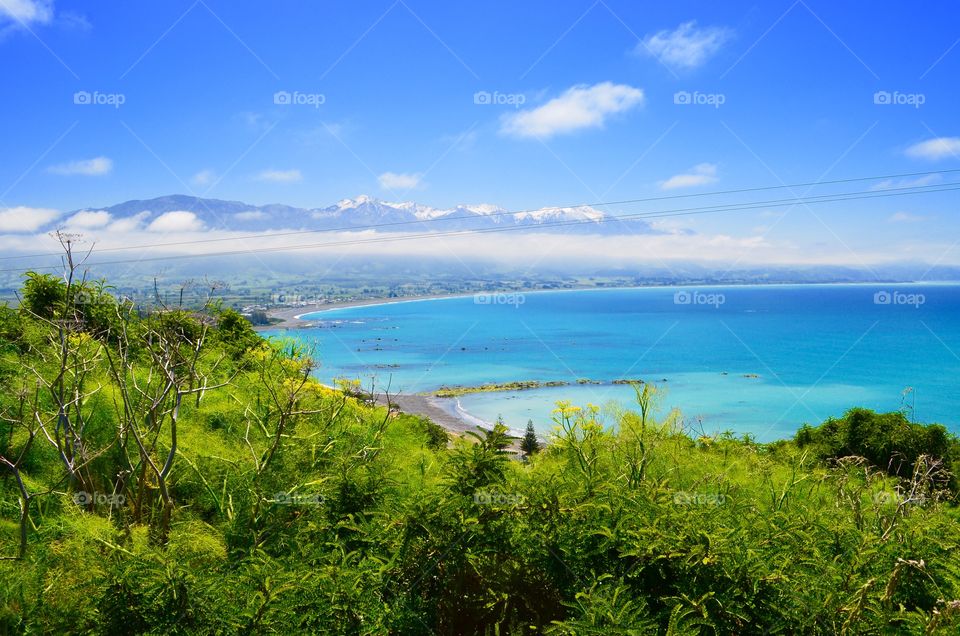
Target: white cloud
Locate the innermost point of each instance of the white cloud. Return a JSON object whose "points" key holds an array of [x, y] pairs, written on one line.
{"points": [[675, 244], [280, 176], [673, 225], [27, 11], [904, 217], [250, 215], [204, 177], [579, 107], [24, 219], [73, 20], [130, 223], [88, 218], [925, 180], [179, 221], [523, 249], [936, 148], [686, 47], [700, 174], [397, 181], [85, 167]]}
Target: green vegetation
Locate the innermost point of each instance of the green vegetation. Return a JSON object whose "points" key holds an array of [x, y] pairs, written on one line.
{"points": [[530, 444], [889, 441], [170, 472]]}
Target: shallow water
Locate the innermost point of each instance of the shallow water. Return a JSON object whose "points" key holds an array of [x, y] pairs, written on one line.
{"points": [[810, 351]]}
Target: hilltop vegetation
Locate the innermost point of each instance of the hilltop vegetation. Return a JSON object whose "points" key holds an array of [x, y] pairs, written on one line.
{"points": [[168, 471]]}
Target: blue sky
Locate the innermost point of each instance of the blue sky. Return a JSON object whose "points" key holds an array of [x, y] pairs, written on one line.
{"points": [[386, 104]]}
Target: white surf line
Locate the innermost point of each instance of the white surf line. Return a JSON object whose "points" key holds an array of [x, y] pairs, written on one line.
{"points": [[379, 304], [478, 422]]}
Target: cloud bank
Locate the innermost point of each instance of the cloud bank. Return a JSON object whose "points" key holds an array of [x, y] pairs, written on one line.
{"points": [[89, 219], [180, 221], [24, 219]]}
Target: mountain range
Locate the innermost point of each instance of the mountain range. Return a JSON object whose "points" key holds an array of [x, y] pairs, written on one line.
{"points": [[365, 212]]}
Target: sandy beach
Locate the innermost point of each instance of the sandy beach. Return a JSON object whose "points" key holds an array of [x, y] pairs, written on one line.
{"points": [[431, 409], [290, 316], [441, 411]]}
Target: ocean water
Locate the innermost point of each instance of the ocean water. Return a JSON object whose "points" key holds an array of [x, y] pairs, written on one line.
{"points": [[750, 359]]}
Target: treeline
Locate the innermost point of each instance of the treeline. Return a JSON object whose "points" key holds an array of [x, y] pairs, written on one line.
{"points": [[168, 471]]}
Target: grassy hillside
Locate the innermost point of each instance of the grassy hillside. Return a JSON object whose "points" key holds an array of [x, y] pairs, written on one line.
{"points": [[170, 472]]}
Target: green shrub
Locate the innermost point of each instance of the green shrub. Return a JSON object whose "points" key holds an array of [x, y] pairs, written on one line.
{"points": [[43, 295], [887, 440]]}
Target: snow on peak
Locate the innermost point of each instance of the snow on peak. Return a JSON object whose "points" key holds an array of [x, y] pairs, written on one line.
{"points": [[578, 213], [343, 204], [418, 210], [496, 214], [482, 208]]}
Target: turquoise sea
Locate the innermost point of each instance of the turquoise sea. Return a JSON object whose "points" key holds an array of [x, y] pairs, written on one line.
{"points": [[751, 359]]}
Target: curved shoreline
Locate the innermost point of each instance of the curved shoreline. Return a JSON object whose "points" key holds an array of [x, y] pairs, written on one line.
{"points": [[292, 317], [376, 302], [446, 412]]}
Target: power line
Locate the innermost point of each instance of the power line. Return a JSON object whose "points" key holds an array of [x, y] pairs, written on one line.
{"points": [[361, 228], [849, 196]]}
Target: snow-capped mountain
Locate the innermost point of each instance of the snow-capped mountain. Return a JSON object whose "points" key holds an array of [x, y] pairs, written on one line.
{"points": [[368, 213]]}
